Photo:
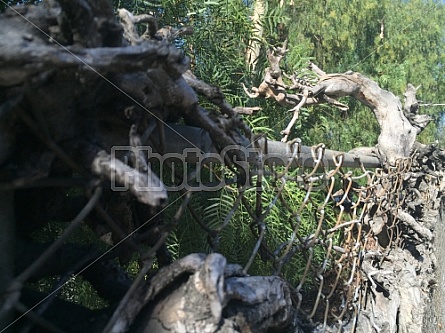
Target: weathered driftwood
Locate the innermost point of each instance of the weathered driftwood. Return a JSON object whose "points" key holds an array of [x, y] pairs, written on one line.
{"points": [[201, 293], [399, 125], [292, 154], [397, 133], [145, 186]]}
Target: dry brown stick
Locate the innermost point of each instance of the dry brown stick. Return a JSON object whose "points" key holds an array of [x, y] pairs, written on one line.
{"points": [[146, 187], [296, 111]]}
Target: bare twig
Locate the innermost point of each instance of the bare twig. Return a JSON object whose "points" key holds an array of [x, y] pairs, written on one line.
{"points": [[431, 104], [296, 111], [313, 67], [247, 110]]}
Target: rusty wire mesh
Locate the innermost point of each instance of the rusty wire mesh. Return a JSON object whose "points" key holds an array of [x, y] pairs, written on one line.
{"points": [[347, 206]]}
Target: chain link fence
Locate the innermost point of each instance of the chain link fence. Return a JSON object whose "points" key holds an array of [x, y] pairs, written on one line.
{"points": [[324, 227]]}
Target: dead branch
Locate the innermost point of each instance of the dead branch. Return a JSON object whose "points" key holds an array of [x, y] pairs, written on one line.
{"points": [[411, 109], [296, 111], [130, 32], [146, 187], [21, 64], [200, 288], [398, 129], [397, 135], [213, 93], [247, 110], [313, 67], [273, 87], [413, 224]]}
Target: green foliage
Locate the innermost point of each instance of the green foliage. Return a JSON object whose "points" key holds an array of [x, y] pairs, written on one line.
{"points": [[76, 289], [236, 231], [346, 35]]}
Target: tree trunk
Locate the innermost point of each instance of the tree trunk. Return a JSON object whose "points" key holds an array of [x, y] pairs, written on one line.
{"points": [[255, 42]]}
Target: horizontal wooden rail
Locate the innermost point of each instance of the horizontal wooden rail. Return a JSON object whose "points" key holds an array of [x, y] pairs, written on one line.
{"points": [[194, 144]]}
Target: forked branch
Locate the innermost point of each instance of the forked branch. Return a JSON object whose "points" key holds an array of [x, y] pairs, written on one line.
{"points": [[399, 125]]}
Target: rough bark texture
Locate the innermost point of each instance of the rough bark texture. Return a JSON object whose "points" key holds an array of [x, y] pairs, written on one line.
{"points": [[403, 285], [77, 99], [211, 298], [399, 125], [434, 318]]}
